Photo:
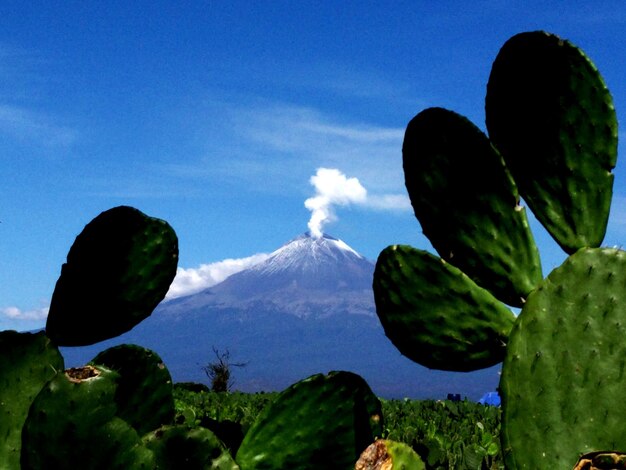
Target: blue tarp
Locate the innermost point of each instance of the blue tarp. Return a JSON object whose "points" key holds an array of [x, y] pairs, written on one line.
{"points": [[490, 398]]}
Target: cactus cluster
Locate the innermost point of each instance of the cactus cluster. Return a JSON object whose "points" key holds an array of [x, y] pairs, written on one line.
{"points": [[117, 412], [118, 269], [552, 142]]}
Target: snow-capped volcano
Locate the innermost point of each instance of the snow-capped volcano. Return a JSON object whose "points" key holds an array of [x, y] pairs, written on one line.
{"points": [[302, 277], [307, 254]]}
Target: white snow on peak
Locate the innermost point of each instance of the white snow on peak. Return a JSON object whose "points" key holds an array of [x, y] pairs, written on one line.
{"points": [[315, 245], [306, 253], [344, 246]]}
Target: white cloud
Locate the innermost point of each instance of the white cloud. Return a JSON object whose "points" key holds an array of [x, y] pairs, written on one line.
{"points": [[15, 313], [386, 202], [187, 281], [311, 132], [273, 141], [282, 141], [23, 124], [191, 280]]}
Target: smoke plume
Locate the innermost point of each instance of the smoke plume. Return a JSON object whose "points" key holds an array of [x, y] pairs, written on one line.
{"points": [[332, 188]]}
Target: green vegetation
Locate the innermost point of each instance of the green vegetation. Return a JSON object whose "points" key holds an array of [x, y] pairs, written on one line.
{"points": [[196, 407], [446, 434]]}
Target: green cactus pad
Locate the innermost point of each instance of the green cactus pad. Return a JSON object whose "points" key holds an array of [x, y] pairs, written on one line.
{"points": [[564, 375], [324, 421], [144, 391], [72, 424], [551, 115], [389, 455], [117, 271], [182, 447], [27, 362], [436, 315], [468, 205]]}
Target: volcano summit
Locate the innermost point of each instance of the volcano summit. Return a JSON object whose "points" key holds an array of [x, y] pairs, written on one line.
{"points": [[307, 277]]}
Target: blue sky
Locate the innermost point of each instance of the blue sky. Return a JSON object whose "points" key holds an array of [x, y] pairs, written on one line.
{"points": [[214, 115]]}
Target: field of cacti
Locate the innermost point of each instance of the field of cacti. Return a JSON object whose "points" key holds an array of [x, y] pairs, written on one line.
{"points": [[552, 141]]}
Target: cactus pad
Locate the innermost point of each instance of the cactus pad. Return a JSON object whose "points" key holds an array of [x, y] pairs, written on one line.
{"points": [[565, 367], [117, 271], [182, 447], [552, 117], [324, 421], [27, 362], [435, 315], [144, 391], [72, 424], [468, 205]]}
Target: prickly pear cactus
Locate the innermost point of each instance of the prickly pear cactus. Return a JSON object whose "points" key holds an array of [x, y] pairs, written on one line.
{"points": [[565, 367], [144, 389], [435, 314], [467, 202], [27, 362], [551, 118], [551, 115], [324, 421], [118, 269]]}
